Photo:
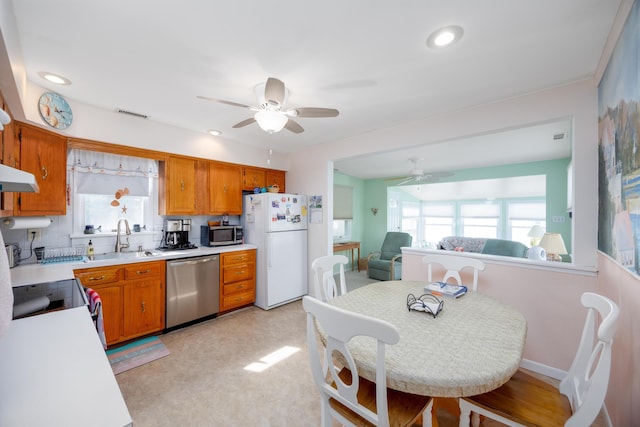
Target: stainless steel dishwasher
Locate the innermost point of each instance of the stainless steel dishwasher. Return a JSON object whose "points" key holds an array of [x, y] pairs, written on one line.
{"points": [[193, 289]]}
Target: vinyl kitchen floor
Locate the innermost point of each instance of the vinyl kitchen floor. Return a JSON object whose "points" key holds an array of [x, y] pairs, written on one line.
{"points": [[203, 382]]}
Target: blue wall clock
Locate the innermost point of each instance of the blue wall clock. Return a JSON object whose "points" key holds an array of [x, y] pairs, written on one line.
{"points": [[55, 110]]}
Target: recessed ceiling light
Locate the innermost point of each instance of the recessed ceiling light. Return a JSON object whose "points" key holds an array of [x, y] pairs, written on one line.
{"points": [[215, 132], [445, 36], [54, 78]]}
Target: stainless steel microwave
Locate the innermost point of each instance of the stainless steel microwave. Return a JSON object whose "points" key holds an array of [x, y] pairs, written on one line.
{"points": [[221, 235]]}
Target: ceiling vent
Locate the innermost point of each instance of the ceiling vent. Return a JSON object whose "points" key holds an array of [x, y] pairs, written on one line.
{"points": [[142, 116], [558, 136]]}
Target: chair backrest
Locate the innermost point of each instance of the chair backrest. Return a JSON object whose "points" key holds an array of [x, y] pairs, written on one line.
{"points": [[587, 381], [325, 285], [340, 326], [453, 264], [392, 243]]}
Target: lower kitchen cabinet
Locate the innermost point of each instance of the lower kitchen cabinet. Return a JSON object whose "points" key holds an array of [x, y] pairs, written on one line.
{"points": [[237, 279], [133, 298]]}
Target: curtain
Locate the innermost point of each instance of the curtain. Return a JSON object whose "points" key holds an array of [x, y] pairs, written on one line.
{"points": [[103, 173], [342, 202]]}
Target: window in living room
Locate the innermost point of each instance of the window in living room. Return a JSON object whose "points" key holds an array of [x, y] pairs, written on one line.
{"points": [[509, 219], [341, 230], [478, 219], [502, 208]]}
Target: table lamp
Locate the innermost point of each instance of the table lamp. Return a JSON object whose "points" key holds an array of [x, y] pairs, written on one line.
{"points": [[553, 245], [535, 233]]}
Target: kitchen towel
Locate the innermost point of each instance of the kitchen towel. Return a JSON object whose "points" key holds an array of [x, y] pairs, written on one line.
{"points": [[95, 308]]}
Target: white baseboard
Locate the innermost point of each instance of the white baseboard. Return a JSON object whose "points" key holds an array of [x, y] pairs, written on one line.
{"points": [[557, 374], [539, 368]]}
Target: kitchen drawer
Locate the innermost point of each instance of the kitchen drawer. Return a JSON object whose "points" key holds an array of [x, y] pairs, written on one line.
{"points": [[244, 286], [143, 269], [239, 272], [237, 300], [98, 276], [238, 257]]}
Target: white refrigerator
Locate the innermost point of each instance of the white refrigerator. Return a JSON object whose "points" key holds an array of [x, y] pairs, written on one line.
{"points": [[277, 224]]}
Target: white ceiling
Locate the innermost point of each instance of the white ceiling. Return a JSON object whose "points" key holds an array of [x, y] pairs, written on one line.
{"points": [[366, 58]]}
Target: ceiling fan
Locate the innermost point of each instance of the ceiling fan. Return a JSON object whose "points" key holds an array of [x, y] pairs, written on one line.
{"points": [[419, 176], [270, 114]]}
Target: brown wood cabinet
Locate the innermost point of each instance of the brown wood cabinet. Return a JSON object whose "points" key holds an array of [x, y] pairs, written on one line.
{"points": [[7, 157], [44, 154], [259, 177], [182, 185], [276, 177], [225, 192], [133, 298], [237, 279], [252, 178]]}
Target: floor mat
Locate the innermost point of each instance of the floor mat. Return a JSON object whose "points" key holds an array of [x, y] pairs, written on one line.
{"points": [[136, 354]]}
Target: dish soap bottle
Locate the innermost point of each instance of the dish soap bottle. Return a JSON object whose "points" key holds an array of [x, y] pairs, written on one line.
{"points": [[90, 250]]}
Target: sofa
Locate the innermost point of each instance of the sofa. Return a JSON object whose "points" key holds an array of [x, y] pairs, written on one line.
{"points": [[484, 246]]}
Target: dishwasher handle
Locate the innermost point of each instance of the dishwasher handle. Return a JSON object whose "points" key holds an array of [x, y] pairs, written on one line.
{"points": [[193, 261]]}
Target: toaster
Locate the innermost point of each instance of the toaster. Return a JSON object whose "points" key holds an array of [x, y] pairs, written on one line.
{"points": [[13, 254]]}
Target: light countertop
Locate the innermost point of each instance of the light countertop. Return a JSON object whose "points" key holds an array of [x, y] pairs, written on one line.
{"points": [[29, 274], [55, 373]]}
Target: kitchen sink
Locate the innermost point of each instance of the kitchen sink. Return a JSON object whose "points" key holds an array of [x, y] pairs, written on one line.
{"points": [[125, 255]]}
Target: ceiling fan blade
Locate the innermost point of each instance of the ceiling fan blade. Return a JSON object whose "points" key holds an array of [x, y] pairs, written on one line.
{"points": [[406, 181], [316, 112], [274, 91], [396, 178], [436, 175], [235, 104], [293, 126], [244, 123]]}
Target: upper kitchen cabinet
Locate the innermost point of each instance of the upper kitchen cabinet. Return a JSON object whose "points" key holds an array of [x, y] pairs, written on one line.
{"points": [[275, 177], [179, 192], [43, 154], [225, 189], [7, 157], [260, 177], [252, 178]]}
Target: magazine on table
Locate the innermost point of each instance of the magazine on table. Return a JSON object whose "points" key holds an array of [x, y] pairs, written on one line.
{"points": [[446, 289]]}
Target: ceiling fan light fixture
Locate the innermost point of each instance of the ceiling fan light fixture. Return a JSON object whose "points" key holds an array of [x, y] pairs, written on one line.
{"points": [[271, 121], [445, 37]]}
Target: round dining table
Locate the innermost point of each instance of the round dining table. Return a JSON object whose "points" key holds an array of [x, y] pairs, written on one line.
{"points": [[474, 345]]}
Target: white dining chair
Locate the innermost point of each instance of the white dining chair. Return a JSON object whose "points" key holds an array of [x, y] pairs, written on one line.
{"points": [[351, 399], [326, 287], [525, 400], [453, 264]]}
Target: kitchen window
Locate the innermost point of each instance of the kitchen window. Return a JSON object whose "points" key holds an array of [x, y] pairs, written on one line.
{"points": [[106, 187]]}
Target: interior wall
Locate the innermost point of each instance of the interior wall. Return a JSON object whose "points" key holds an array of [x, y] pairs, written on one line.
{"points": [[623, 395]]}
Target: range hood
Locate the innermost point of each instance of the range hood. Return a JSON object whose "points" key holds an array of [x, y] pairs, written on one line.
{"points": [[12, 179]]}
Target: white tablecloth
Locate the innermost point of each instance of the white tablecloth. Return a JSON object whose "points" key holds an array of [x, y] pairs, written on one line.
{"points": [[473, 346]]}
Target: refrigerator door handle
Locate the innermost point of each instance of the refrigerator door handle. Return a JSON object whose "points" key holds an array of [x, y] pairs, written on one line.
{"points": [[269, 250]]}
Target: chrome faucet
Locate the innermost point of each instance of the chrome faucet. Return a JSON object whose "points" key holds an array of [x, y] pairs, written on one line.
{"points": [[120, 246]]}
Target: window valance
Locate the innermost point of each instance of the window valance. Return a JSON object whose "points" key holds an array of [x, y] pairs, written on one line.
{"points": [[103, 173]]}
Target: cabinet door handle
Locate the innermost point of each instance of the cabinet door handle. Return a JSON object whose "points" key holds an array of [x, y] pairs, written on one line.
{"points": [[143, 271], [239, 273], [142, 306], [96, 278], [182, 184], [45, 173], [239, 286]]}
